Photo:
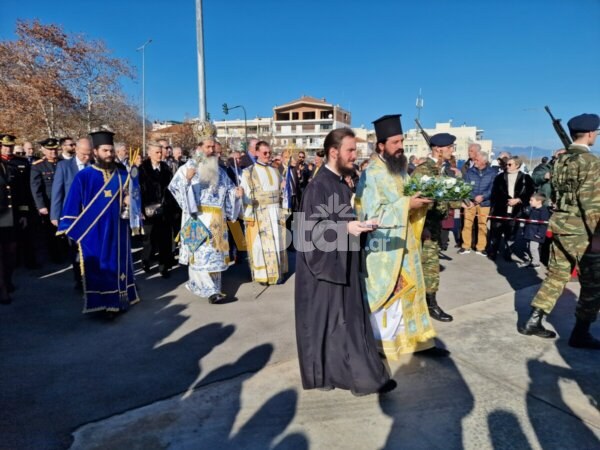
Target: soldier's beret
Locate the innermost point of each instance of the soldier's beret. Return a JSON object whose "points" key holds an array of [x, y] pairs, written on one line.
{"points": [[442, 140], [387, 126], [584, 123], [49, 143], [8, 140]]}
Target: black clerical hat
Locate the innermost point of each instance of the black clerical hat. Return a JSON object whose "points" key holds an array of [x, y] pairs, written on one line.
{"points": [[387, 126], [584, 123], [49, 143], [102, 138]]}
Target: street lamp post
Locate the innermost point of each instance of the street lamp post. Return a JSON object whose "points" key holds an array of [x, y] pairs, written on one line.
{"points": [[226, 110], [143, 50], [201, 80]]}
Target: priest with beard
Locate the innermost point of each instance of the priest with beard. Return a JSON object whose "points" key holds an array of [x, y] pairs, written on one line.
{"points": [[336, 346], [92, 217], [205, 192], [392, 272]]}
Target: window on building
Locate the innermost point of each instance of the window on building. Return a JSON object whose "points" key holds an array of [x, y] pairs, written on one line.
{"points": [[325, 126], [283, 116], [327, 114], [295, 116], [308, 115]]}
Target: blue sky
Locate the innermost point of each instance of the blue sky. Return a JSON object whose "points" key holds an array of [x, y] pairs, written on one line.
{"points": [[490, 63]]}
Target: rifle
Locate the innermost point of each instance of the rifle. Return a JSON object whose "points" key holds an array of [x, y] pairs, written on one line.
{"points": [[423, 133], [562, 134]]}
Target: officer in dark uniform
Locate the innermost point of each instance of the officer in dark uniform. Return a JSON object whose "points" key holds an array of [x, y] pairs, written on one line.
{"points": [[42, 176], [14, 208], [20, 169]]}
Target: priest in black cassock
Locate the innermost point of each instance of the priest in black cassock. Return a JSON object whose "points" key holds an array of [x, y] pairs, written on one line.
{"points": [[336, 346]]}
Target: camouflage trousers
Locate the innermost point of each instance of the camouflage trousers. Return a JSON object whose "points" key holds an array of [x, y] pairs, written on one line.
{"points": [[430, 261], [563, 258]]}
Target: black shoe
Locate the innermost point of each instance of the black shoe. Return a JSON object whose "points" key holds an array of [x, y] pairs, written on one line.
{"points": [[534, 327], [464, 251], [582, 338], [435, 311], [110, 315], [216, 298], [434, 352], [389, 386], [164, 272]]}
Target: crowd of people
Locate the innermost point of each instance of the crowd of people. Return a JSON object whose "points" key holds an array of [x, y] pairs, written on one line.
{"points": [[367, 255]]}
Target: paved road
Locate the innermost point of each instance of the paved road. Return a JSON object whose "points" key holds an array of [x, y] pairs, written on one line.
{"points": [[176, 372]]}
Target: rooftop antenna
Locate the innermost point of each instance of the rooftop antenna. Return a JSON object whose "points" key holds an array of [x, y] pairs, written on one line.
{"points": [[420, 104]]}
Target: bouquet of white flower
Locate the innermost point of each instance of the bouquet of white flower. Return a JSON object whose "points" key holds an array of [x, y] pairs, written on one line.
{"points": [[438, 188]]}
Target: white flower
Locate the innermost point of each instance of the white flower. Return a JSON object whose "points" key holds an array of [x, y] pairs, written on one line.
{"points": [[449, 182], [425, 179], [456, 189]]}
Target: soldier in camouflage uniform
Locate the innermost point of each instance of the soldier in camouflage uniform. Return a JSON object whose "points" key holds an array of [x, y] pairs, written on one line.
{"points": [[576, 230], [442, 147]]}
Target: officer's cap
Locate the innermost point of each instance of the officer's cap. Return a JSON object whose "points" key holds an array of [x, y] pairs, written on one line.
{"points": [[387, 126], [584, 123], [49, 143], [102, 138], [442, 140], [8, 140]]}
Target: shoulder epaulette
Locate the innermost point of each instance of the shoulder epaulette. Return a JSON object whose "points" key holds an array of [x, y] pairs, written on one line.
{"points": [[37, 162]]}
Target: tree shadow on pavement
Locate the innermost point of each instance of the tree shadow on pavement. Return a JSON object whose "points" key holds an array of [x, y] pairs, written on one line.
{"points": [[62, 369], [428, 406]]}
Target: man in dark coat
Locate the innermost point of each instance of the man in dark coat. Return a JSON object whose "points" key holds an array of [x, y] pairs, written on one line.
{"points": [[155, 176], [336, 346]]}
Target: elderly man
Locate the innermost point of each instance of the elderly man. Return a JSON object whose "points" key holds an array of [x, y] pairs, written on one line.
{"points": [[442, 147], [263, 217], [393, 275], [155, 176], [29, 152], [481, 176], [63, 179], [472, 152], [122, 154], [92, 217], [249, 157], [206, 194]]}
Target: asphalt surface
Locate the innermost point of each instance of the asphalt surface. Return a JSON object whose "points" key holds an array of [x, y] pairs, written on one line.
{"points": [[176, 372]]}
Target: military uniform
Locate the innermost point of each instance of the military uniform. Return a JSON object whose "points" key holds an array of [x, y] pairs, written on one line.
{"points": [[575, 222], [432, 230], [430, 258], [42, 176]]}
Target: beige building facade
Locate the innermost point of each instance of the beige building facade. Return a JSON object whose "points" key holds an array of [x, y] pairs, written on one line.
{"points": [[414, 143]]}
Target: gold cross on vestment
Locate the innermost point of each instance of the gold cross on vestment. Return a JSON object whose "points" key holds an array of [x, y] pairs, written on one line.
{"points": [[123, 277], [108, 193]]}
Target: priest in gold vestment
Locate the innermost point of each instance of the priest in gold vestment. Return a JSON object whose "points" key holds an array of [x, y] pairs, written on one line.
{"points": [[392, 272]]}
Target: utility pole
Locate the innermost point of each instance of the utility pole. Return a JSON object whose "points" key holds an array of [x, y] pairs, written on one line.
{"points": [[419, 105], [143, 50], [201, 81]]}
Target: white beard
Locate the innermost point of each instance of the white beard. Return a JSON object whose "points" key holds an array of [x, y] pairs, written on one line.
{"points": [[208, 171]]}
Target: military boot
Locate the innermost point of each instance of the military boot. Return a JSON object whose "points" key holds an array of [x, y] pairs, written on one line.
{"points": [[534, 327], [581, 336], [435, 311]]}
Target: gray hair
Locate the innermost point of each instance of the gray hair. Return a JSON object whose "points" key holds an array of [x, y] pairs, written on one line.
{"points": [[120, 145], [473, 144], [484, 154]]}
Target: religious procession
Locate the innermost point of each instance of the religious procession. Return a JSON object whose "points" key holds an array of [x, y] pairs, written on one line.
{"points": [[367, 248]]}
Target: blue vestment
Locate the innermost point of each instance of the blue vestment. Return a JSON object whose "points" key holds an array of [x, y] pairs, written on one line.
{"points": [[91, 217]]}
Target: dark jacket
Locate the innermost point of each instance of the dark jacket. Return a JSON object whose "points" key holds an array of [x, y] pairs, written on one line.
{"points": [[13, 198], [541, 183], [482, 181], [523, 190], [153, 186], [42, 176], [537, 231], [63, 179]]}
